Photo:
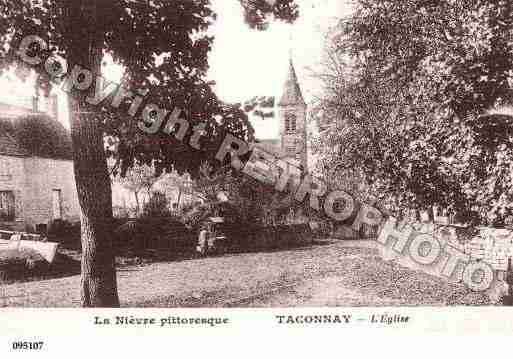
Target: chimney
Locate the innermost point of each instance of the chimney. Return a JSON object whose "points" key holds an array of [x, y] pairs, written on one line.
{"points": [[35, 103], [54, 107]]}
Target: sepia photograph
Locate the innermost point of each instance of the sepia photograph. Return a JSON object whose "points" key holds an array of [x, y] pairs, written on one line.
{"points": [[256, 154]]}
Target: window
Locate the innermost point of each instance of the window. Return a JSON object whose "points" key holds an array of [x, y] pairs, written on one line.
{"points": [[6, 206], [5, 169], [290, 122]]}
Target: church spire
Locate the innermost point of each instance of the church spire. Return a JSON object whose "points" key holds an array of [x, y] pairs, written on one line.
{"points": [[291, 94]]}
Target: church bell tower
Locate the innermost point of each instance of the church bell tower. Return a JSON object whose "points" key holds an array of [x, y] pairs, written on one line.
{"points": [[292, 116]]}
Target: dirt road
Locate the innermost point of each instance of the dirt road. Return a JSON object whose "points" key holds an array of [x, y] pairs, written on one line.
{"points": [[330, 274]]}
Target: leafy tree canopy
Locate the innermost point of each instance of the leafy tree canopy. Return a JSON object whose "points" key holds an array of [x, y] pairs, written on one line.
{"points": [[163, 46], [406, 87], [261, 106]]}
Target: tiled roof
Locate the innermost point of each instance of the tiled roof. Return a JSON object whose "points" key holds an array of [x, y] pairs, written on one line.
{"points": [[9, 146], [272, 146], [291, 92], [34, 135], [269, 145], [270, 142]]}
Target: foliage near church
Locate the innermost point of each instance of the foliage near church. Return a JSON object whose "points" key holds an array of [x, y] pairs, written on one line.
{"points": [[407, 84], [246, 201], [260, 106]]}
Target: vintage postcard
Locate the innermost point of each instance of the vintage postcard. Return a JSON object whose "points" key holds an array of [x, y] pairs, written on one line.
{"points": [[208, 166]]}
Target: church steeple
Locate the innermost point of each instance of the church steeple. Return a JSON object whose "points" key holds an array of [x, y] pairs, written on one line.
{"points": [[292, 115], [291, 94]]}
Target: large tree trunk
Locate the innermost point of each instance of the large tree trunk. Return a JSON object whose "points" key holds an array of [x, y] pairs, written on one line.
{"points": [[98, 284]]}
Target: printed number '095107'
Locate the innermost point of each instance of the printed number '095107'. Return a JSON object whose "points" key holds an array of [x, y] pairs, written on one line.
{"points": [[27, 345]]}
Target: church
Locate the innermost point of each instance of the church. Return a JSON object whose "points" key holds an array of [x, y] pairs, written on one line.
{"points": [[291, 145]]}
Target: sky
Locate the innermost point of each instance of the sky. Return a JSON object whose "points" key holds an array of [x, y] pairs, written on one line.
{"points": [[246, 63]]}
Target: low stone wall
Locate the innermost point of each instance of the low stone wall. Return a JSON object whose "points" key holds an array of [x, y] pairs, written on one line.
{"points": [[346, 232], [492, 245]]}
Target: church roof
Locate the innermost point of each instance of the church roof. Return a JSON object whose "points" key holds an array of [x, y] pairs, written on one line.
{"points": [[291, 91], [272, 146]]}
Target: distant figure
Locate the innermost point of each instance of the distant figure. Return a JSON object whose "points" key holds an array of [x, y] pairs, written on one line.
{"points": [[212, 236], [202, 247]]}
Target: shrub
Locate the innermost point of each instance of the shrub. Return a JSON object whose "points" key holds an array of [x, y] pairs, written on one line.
{"points": [[19, 264], [157, 206], [127, 236], [120, 212], [143, 234], [196, 216], [65, 233]]}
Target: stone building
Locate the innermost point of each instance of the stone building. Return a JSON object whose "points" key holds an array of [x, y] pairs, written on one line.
{"points": [[292, 116], [37, 183], [291, 145]]}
